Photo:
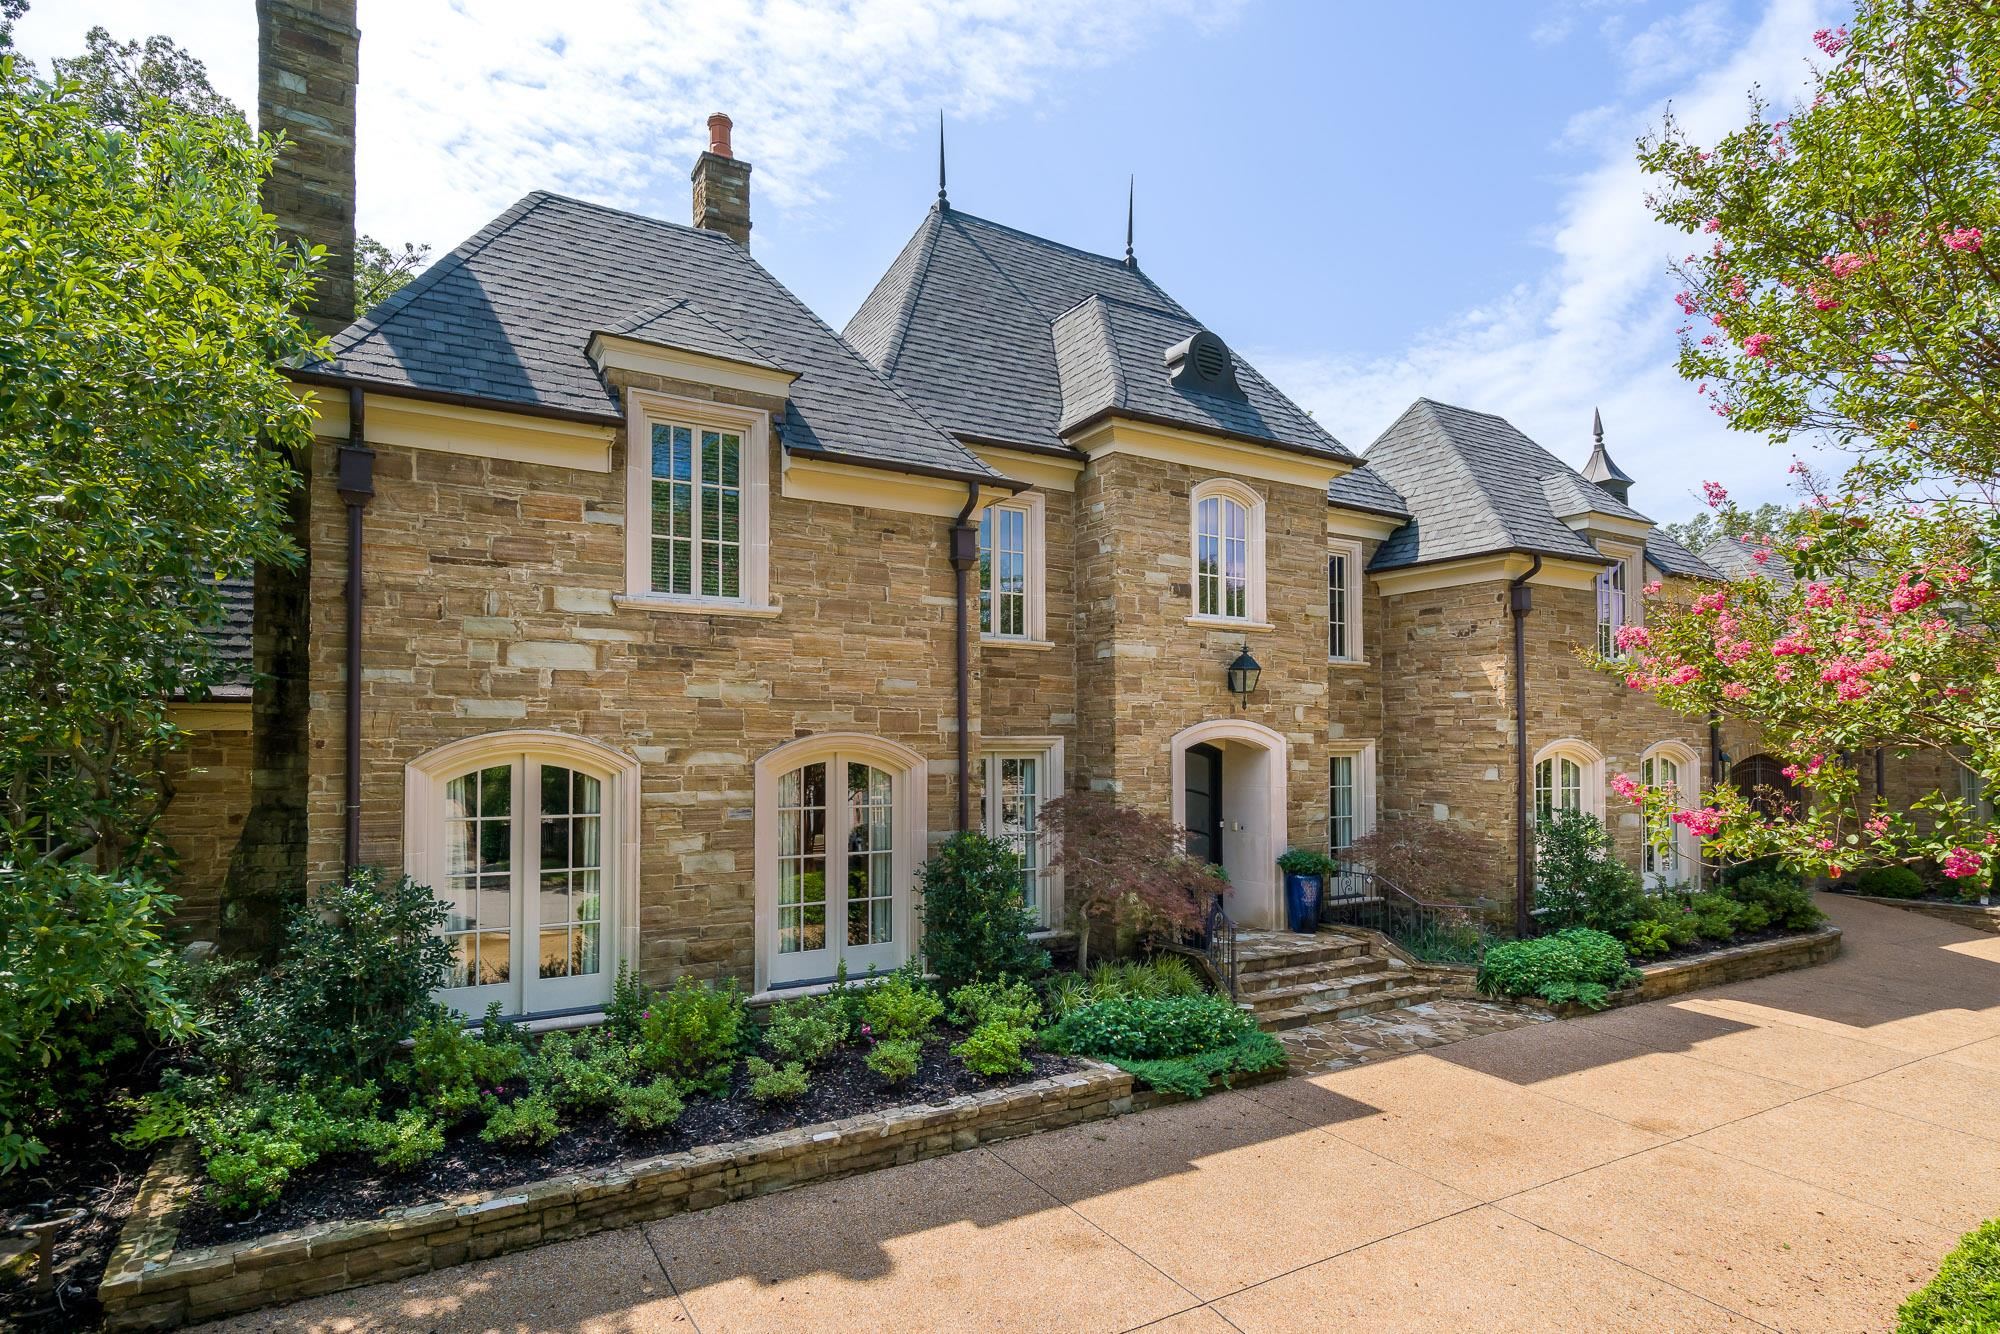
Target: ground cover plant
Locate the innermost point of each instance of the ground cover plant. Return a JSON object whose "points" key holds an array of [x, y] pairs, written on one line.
{"points": [[1580, 966], [1964, 1298], [1179, 1043]]}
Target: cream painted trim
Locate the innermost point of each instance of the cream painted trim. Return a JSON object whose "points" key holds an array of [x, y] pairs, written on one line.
{"points": [[211, 716], [1356, 523], [1634, 560], [1225, 623], [1357, 582], [910, 791], [1687, 792], [1035, 532], [1267, 903], [424, 780], [615, 352], [692, 606], [448, 428], [1002, 641], [834, 483], [1597, 526], [1555, 573], [1048, 749], [1210, 453], [753, 479], [1228, 488], [1044, 471], [1588, 758], [1367, 797]]}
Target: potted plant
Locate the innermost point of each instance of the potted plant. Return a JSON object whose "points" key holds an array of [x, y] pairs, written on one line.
{"points": [[1306, 873]]}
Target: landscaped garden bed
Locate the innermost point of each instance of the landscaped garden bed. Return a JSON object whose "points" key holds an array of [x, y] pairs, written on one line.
{"points": [[1954, 901]]}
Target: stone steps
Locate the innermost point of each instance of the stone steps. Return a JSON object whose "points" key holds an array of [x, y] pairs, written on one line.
{"points": [[1261, 1003], [1322, 1011], [1281, 979], [1289, 981]]}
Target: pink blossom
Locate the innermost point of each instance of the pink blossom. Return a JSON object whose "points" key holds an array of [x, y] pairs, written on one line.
{"points": [[1705, 822], [1761, 554], [1964, 238], [1712, 225], [1684, 674], [1823, 844], [1847, 263], [1715, 493], [1819, 595], [1738, 289], [1877, 826], [1909, 596], [1852, 690], [1831, 40], [1783, 672], [1731, 653], [1735, 690], [1821, 302], [1632, 636], [1754, 346], [1790, 646], [1962, 862], [1652, 588], [1688, 303], [1623, 785]]}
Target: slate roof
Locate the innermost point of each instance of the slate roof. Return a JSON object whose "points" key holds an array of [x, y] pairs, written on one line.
{"points": [[231, 637], [507, 316], [1364, 489], [1731, 558], [1006, 337], [1666, 554], [1474, 485]]}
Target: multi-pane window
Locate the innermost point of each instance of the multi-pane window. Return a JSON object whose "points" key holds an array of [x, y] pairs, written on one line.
{"points": [[1222, 558], [1003, 571], [802, 860], [871, 848], [571, 910], [837, 859], [1610, 608], [1341, 806], [697, 511], [479, 876], [1338, 644], [1016, 819], [1558, 786], [1661, 865]]}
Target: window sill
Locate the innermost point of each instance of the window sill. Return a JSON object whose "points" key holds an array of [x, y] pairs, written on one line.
{"points": [[1228, 623], [1007, 641], [691, 607], [1347, 662]]}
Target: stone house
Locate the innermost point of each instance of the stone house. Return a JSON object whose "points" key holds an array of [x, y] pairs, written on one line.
{"points": [[653, 622]]}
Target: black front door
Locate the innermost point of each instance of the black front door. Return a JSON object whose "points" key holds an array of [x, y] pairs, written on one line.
{"points": [[1204, 803]]}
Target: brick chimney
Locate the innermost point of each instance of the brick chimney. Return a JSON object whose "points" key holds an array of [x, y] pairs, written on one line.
{"points": [[722, 186], [308, 55]]}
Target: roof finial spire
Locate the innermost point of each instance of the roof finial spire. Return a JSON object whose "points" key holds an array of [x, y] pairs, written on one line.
{"points": [[1597, 426], [942, 201], [1600, 469], [1131, 261]]}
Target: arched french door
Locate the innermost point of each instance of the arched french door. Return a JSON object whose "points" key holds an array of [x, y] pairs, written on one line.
{"points": [[1671, 767], [525, 843]]}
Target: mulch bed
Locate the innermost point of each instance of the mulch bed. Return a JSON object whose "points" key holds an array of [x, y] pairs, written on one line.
{"points": [[91, 1174], [1702, 948], [350, 1186]]}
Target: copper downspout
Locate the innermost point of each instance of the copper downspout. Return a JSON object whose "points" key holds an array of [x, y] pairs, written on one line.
{"points": [[964, 554], [356, 484], [1520, 601]]}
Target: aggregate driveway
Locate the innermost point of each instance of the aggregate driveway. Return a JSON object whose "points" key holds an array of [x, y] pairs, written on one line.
{"points": [[1796, 1152]]}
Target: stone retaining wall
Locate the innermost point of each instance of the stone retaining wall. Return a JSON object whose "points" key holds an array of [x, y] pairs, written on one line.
{"points": [[149, 1285], [1978, 916], [1738, 963]]}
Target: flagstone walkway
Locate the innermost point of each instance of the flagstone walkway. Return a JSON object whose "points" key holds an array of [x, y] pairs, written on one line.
{"points": [[1795, 1152]]}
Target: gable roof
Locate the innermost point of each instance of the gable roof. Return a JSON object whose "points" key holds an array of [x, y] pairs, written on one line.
{"points": [[506, 319], [1667, 555], [1731, 557], [1475, 485], [1009, 338]]}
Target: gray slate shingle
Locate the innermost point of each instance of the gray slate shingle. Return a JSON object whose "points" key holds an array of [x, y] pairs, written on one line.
{"points": [[507, 316], [1008, 337], [1730, 557], [1364, 489], [1665, 553]]}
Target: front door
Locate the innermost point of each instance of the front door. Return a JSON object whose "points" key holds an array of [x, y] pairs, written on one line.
{"points": [[1204, 803]]}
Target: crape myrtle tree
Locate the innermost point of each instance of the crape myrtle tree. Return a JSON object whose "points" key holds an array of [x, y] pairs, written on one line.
{"points": [[1845, 293]]}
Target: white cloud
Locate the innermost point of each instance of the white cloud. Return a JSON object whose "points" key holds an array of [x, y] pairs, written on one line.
{"points": [[464, 107], [1597, 329]]}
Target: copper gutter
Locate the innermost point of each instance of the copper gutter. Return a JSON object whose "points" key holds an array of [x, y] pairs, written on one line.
{"points": [[1520, 602], [356, 483]]}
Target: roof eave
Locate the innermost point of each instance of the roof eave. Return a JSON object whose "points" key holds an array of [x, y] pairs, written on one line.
{"points": [[335, 380], [1204, 428]]}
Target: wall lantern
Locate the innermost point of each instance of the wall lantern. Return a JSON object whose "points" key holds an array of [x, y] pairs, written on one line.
{"points": [[1243, 674]]}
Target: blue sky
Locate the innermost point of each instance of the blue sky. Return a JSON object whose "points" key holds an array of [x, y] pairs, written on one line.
{"points": [[1372, 201]]}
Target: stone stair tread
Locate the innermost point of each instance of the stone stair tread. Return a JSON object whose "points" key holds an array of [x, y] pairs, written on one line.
{"points": [[1330, 952], [1277, 979], [1324, 1009], [1285, 997]]}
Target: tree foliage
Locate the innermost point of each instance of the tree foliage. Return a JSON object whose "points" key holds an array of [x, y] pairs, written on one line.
{"points": [[380, 272], [127, 83], [1742, 524], [1123, 865]]}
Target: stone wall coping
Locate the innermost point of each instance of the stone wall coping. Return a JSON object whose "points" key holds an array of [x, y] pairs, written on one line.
{"points": [[148, 1284], [1732, 963], [1978, 916]]}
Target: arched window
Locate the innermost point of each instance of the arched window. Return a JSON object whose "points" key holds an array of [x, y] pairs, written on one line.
{"points": [[529, 840], [1227, 522], [840, 832], [1569, 776], [1670, 765]]}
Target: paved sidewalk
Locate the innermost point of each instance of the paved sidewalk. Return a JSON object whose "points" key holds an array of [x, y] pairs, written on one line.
{"points": [[1796, 1152]]}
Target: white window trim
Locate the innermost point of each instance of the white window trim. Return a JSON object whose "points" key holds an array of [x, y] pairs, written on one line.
{"points": [[909, 777], [1253, 543], [1591, 779], [1356, 650], [642, 406], [1366, 797], [1686, 792], [1035, 611], [424, 780], [1633, 611], [1049, 750]]}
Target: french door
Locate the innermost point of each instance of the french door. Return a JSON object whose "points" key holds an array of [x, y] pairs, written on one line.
{"points": [[1679, 861], [839, 892], [525, 883]]}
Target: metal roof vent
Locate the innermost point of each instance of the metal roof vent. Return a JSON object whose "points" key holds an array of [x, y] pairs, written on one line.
{"points": [[1202, 363]]}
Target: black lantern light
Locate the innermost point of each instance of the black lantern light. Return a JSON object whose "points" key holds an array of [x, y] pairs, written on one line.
{"points": [[1243, 674]]}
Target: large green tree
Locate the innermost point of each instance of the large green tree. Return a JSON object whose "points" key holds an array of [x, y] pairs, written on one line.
{"points": [[1845, 293]]}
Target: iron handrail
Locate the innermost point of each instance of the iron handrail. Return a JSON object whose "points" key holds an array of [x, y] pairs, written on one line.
{"points": [[1218, 942], [1356, 897]]}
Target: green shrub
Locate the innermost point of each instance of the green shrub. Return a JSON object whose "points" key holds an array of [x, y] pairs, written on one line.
{"points": [[525, 1123], [976, 926], [1648, 937], [1176, 975], [1306, 861], [899, 1006], [584, 1072], [994, 1049], [448, 1070], [1436, 941], [1114, 979], [1579, 880], [629, 1000], [1782, 898], [1573, 964], [644, 1108], [896, 1059], [1964, 1298], [999, 1002], [806, 1031], [775, 1083], [1064, 994], [1193, 1076], [1716, 917], [1890, 882], [252, 1144], [406, 1142], [691, 1033], [1140, 1028]]}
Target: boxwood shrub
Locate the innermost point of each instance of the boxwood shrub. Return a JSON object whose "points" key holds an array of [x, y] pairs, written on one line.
{"points": [[1577, 965], [1965, 1295]]}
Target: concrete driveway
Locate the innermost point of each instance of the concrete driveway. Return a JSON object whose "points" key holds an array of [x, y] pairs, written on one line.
{"points": [[1792, 1153]]}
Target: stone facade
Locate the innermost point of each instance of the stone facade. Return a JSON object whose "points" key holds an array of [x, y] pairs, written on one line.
{"points": [[211, 778]]}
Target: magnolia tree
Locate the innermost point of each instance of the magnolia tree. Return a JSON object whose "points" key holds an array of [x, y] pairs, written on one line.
{"points": [[1845, 292]]}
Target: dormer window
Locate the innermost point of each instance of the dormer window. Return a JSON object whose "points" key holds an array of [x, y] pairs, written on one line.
{"points": [[1616, 607], [698, 504]]}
